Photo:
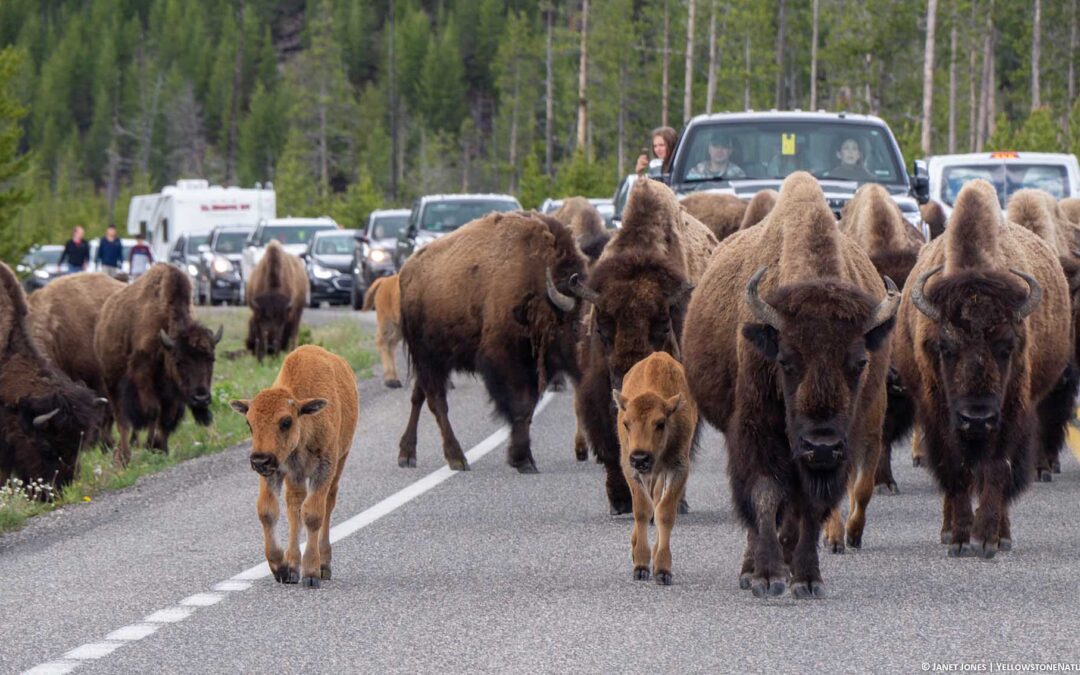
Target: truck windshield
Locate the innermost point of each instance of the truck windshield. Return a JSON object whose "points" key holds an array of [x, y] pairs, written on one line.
{"points": [[450, 215], [195, 241], [864, 153], [230, 242], [388, 227], [335, 244], [1006, 179], [290, 234]]}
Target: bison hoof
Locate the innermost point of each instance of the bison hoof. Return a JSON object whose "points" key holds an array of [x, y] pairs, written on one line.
{"points": [[527, 467], [916, 462], [744, 580], [1045, 476], [1055, 466], [324, 572], [406, 462], [312, 582], [460, 464], [1005, 545], [808, 589], [641, 574], [393, 383], [836, 547], [961, 550], [946, 537], [984, 550], [620, 507], [581, 453], [887, 489], [287, 575], [854, 540], [762, 588], [684, 507], [663, 578]]}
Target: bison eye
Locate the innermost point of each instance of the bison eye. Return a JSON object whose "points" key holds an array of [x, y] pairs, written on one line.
{"points": [[660, 425], [949, 350], [786, 365], [1003, 350], [860, 365], [286, 424]]}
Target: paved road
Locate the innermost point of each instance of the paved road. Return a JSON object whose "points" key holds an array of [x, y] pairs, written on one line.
{"points": [[494, 571]]}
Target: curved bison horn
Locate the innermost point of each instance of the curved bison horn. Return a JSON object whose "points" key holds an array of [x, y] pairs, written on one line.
{"points": [[578, 288], [1034, 297], [886, 309], [41, 420], [220, 332], [559, 299], [101, 401], [763, 311], [920, 301], [165, 339]]}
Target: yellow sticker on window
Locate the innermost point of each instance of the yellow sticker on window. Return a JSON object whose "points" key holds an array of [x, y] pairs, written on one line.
{"points": [[787, 144]]}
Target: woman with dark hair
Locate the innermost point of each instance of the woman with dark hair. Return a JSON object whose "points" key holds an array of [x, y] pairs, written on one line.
{"points": [[851, 167], [663, 147]]}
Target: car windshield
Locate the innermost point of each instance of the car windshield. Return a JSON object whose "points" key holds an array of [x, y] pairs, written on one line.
{"points": [[447, 216], [230, 242], [43, 257], [1006, 179], [844, 151], [195, 241], [290, 234], [337, 244], [388, 227]]}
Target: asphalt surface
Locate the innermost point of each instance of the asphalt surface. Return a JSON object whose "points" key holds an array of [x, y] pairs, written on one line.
{"points": [[498, 572]]}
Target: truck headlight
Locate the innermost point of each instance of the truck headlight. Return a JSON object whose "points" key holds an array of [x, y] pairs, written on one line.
{"points": [[377, 255], [192, 270], [321, 272], [222, 265]]}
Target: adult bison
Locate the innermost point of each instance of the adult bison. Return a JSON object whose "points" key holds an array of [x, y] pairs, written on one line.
{"points": [[45, 417], [276, 293], [639, 290], [876, 224], [490, 298], [1070, 206], [760, 205], [721, 213], [587, 225], [786, 350], [156, 359], [934, 216], [981, 342]]}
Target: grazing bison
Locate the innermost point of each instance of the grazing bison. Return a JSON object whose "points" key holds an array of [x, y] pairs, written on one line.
{"points": [[384, 296], [301, 431], [276, 293], [874, 221], [45, 417], [760, 206], [786, 350], [934, 217], [156, 359], [639, 290], [657, 424], [586, 224], [721, 213], [981, 342], [1070, 206], [490, 298]]}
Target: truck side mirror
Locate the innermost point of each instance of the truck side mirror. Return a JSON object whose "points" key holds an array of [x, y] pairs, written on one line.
{"points": [[411, 232], [920, 182]]}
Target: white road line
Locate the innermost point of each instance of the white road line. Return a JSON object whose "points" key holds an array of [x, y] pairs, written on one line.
{"points": [[241, 582]]}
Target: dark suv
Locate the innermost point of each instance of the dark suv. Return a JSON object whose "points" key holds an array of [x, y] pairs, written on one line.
{"points": [[219, 264], [374, 256], [435, 215], [328, 260]]}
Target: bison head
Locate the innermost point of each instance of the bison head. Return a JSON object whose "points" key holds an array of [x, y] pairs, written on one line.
{"points": [[274, 419], [644, 423], [189, 364], [58, 425], [978, 327], [267, 327], [820, 335], [639, 302]]}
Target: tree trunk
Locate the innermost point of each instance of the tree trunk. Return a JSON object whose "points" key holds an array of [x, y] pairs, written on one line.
{"points": [[813, 57], [234, 107], [986, 96], [622, 118], [514, 129], [549, 95], [1072, 57], [746, 76], [583, 75], [952, 86], [1036, 48], [324, 150], [780, 24], [394, 165], [928, 76], [710, 89], [688, 81], [972, 85], [666, 66]]}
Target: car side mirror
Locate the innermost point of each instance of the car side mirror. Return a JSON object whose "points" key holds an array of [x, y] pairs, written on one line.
{"points": [[363, 238], [920, 182], [411, 232]]}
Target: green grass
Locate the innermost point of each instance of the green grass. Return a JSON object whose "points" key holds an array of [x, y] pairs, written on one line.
{"points": [[237, 374]]}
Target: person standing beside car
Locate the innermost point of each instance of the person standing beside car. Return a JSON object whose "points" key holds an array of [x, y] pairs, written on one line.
{"points": [[76, 252], [663, 147], [140, 257], [110, 251]]}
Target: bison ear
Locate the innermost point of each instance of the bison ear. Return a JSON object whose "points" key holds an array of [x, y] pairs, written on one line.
{"points": [[876, 337], [619, 399], [673, 404], [240, 406], [764, 338], [312, 405]]}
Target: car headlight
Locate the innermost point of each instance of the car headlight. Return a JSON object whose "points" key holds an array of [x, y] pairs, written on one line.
{"points": [[222, 265], [192, 270], [41, 274], [320, 272], [377, 255]]}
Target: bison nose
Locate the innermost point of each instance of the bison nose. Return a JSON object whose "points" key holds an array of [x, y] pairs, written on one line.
{"points": [[641, 461], [893, 382], [822, 448], [976, 418], [263, 464], [201, 397]]}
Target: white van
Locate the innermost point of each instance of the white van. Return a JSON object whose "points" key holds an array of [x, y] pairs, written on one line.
{"points": [[1056, 173]]}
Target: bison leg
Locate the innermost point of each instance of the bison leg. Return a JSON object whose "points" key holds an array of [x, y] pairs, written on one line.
{"points": [[806, 575], [667, 507], [789, 534], [639, 535], [962, 518], [122, 452], [407, 445], [314, 513], [770, 575], [860, 490], [581, 445], [267, 506], [1005, 531], [295, 494], [918, 454], [883, 476], [1055, 411], [834, 531], [519, 452], [946, 520], [386, 338], [438, 406], [325, 553], [746, 573], [992, 504]]}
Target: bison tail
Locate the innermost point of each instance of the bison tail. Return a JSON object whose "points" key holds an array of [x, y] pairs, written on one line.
{"points": [[372, 291]]}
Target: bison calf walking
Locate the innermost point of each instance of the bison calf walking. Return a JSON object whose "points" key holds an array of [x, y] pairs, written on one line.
{"points": [[301, 431], [657, 429], [384, 297]]}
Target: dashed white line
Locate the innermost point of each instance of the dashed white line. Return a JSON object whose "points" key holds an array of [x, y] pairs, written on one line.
{"points": [[242, 581]]}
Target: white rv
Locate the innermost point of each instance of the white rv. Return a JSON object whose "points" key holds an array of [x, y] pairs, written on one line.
{"points": [[195, 207]]}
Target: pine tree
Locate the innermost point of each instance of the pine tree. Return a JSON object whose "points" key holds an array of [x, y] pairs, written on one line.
{"points": [[13, 166]]}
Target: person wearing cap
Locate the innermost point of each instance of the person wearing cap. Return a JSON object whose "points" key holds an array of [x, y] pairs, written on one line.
{"points": [[719, 164]]}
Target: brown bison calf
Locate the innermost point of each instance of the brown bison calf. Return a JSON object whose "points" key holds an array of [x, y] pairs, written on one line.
{"points": [[1070, 206], [384, 296], [657, 433], [983, 339], [587, 225], [276, 294], [934, 216], [301, 431], [760, 206], [721, 213]]}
